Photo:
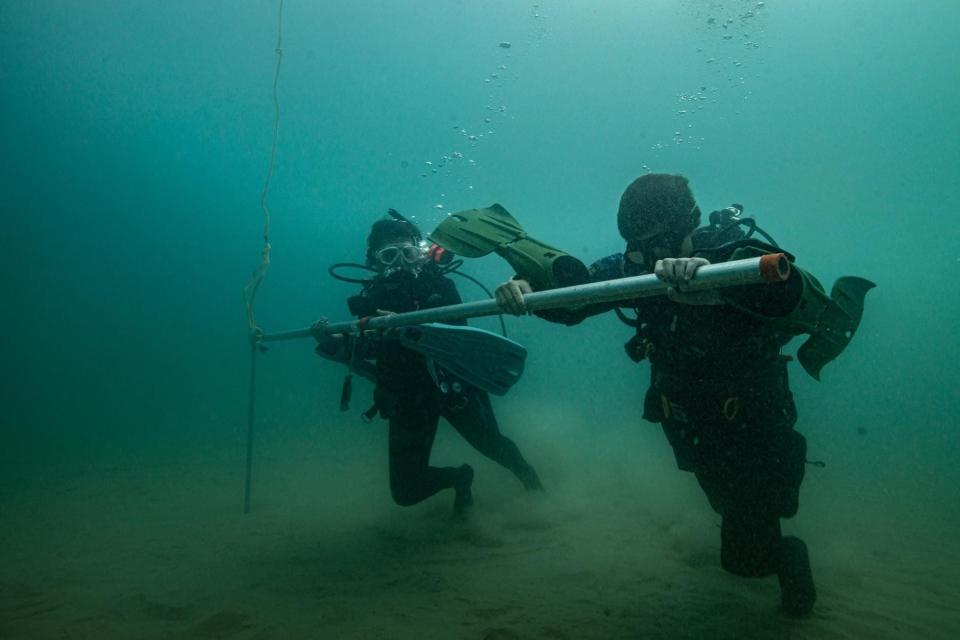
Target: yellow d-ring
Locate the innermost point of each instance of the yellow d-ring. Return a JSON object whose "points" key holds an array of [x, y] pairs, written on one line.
{"points": [[731, 407]]}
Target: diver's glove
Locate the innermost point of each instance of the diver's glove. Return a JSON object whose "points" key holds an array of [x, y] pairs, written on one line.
{"points": [[677, 272]]}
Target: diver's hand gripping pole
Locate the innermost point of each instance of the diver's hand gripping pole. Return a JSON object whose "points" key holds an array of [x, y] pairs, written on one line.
{"points": [[769, 268]]}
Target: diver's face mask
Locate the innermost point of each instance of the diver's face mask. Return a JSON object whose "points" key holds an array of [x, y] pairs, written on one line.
{"points": [[400, 256], [665, 240], [642, 254]]}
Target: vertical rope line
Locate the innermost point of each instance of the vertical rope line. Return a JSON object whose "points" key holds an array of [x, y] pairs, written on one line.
{"points": [[250, 290]]}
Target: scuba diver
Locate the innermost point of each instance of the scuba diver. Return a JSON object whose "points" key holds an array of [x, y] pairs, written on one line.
{"points": [[718, 384], [412, 392]]}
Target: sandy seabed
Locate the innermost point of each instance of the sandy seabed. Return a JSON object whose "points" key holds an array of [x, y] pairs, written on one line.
{"points": [[136, 543]]}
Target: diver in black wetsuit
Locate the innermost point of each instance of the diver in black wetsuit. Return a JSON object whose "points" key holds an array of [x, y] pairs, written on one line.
{"points": [[410, 393], [718, 380]]}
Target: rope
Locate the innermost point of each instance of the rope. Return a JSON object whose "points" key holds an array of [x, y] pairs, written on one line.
{"points": [[250, 289]]}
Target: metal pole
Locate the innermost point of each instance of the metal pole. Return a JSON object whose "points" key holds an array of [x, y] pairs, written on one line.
{"points": [[769, 268], [250, 406]]}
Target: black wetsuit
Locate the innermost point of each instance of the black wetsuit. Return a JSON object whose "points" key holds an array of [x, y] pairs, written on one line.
{"points": [[408, 396], [719, 389]]}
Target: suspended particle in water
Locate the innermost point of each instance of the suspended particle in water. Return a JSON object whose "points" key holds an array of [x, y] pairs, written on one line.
{"points": [[505, 45], [438, 206], [472, 138], [428, 163]]}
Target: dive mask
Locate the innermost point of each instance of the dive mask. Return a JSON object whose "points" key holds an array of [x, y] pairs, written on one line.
{"points": [[642, 254], [401, 255]]}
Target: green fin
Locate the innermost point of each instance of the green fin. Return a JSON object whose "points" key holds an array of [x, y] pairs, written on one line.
{"points": [[483, 359], [836, 324], [830, 320], [477, 232]]}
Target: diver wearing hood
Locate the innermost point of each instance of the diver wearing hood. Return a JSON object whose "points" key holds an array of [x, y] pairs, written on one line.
{"points": [[719, 384], [411, 392]]}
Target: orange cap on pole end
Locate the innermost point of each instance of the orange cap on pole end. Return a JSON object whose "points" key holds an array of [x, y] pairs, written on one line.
{"points": [[774, 267]]}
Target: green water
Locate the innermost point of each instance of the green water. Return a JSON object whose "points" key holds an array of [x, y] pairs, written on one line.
{"points": [[136, 138]]}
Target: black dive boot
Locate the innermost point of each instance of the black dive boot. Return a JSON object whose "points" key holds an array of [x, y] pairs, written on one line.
{"points": [[464, 488], [797, 592]]}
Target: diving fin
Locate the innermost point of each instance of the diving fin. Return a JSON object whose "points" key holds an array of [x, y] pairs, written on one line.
{"points": [[477, 232], [830, 320], [480, 358], [837, 323]]}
